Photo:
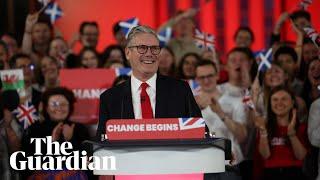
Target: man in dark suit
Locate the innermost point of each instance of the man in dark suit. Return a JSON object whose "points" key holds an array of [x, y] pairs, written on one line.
{"points": [[146, 94]]}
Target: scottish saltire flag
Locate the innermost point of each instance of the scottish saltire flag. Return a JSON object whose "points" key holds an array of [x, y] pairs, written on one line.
{"points": [[53, 11], [266, 59], [247, 100], [126, 26], [26, 114], [191, 123], [304, 4], [204, 40], [165, 36], [195, 87], [313, 35], [123, 71]]}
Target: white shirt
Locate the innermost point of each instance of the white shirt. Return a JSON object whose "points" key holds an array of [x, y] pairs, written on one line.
{"points": [[234, 109], [136, 90], [313, 128]]}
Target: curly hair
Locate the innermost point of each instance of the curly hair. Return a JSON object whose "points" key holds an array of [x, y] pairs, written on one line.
{"points": [[68, 94]]}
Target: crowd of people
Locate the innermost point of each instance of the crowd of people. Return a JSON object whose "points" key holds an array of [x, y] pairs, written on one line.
{"points": [[272, 117]]}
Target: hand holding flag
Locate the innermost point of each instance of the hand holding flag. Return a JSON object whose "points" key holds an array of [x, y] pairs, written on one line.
{"points": [[313, 35], [304, 4]]}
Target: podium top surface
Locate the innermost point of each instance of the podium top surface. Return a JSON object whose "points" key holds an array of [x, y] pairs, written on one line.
{"points": [[221, 143]]}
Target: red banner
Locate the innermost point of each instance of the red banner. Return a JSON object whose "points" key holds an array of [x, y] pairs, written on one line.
{"points": [[87, 85], [162, 128]]}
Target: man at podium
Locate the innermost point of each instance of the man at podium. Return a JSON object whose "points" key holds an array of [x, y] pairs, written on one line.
{"points": [[146, 94]]}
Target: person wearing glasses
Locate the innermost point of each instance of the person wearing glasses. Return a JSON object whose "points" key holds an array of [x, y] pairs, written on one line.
{"points": [[58, 105], [146, 94], [224, 115], [24, 62]]}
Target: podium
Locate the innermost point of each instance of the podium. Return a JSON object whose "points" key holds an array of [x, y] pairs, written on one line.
{"points": [[172, 156]]}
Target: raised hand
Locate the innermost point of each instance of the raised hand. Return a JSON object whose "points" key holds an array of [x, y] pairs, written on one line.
{"points": [[56, 133], [291, 127], [67, 131], [203, 100], [30, 21]]}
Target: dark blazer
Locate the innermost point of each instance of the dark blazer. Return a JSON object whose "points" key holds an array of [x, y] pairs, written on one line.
{"points": [[174, 99]]}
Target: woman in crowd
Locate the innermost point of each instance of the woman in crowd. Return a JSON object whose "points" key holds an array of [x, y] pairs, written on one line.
{"points": [[113, 53], [311, 90], [166, 62], [282, 140], [89, 58], [49, 77], [58, 106], [59, 50], [187, 66]]}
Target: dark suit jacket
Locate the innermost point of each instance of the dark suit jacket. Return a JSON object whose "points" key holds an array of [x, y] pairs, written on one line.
{"points": [[174, 99]]}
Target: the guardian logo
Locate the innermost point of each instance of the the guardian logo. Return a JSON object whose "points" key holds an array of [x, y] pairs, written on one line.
{"points": [[59, 156]]}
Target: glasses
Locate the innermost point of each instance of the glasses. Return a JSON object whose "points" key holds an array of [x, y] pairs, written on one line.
{"points": [[142, 49], [56, 104], [30, 66], [202, 78]]}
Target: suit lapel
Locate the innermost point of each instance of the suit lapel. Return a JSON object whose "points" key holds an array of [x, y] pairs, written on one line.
{"points": [[161, 97], [126, 103]]}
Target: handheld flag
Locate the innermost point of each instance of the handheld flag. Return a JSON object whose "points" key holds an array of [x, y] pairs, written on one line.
{"points": [[204, 40], [265, 62], [247, 100], [54, 11], [126, 26], [313, 35], [26, 114], [13, 80], [304, 4], [164, 36]]}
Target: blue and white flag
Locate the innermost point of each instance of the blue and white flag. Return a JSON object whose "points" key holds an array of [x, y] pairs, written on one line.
{"points": [[165, 36], [266, 60], [54, 12], [126, 26]]}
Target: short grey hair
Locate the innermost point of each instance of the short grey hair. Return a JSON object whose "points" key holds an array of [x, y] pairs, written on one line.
{"points": [[140, 29]]}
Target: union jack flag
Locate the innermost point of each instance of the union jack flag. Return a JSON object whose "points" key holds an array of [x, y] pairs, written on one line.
{"points": [[54, 11], [26, 114], [191, 123], [304, 4], [123, 71], [266, 60], [247, 100], [313, 35], [126, 26], [164, 36], [195, 87], [204, 40]]}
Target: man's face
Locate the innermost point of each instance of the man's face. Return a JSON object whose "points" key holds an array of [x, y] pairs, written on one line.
{"points": [[237, 64], [26, 65], [184, 28], [144, 65], [243, 39], [301, 22], [41, 33], [90, 35], [309, 52], [286, 61], [207, 77]]}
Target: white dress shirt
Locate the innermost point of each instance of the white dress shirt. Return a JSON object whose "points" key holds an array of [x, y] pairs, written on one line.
{"points": [[313, 128], [233, 107], [136, 90]]}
